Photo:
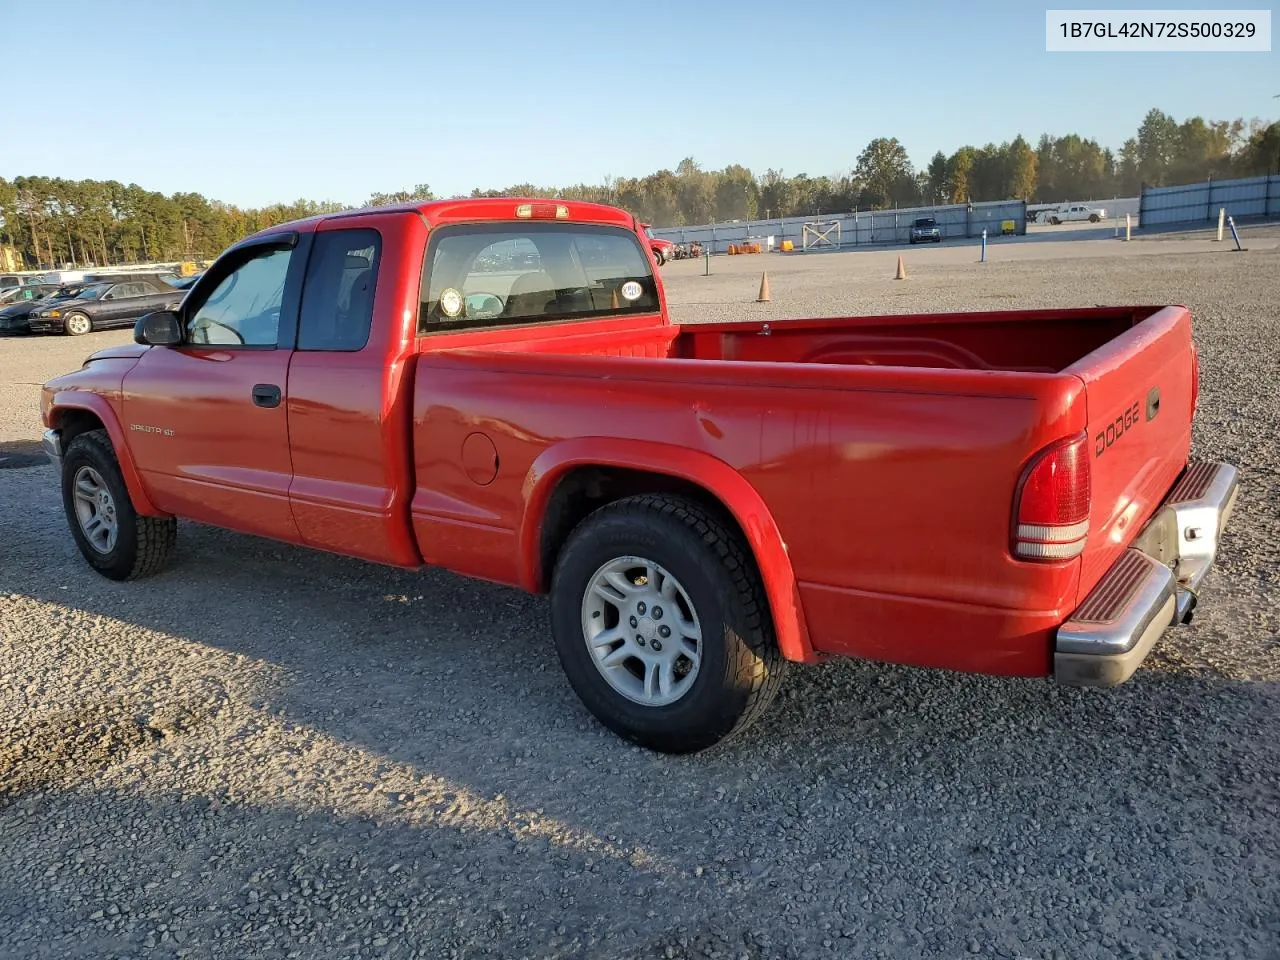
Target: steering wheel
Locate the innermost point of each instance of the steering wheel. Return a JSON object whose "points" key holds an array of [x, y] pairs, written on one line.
{"points": [[206, 323]]}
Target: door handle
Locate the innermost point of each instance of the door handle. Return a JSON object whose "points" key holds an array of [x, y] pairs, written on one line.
{"points": [[266, 395]]}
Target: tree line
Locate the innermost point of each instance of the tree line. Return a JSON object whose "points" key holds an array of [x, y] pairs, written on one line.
{"points": [[52, 221]]}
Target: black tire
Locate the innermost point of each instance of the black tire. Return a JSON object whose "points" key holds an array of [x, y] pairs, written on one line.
{"points": [[144, 545], [1094, 218], [1055, 221], [741, 668], [67, 324]]}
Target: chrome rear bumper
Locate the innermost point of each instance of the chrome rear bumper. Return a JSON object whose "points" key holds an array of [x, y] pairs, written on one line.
{"points": [[1152, 586]]}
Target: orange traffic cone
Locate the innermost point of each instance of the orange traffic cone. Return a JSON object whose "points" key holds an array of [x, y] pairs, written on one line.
{"points": [[764, 288], [613, 301], [902, 270]]}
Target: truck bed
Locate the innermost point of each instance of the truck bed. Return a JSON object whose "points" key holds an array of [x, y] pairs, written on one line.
{"points": [[889, 451], [1033, 341]]}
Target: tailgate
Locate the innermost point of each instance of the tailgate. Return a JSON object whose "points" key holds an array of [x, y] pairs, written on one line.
{"points": [[1140, 394]]}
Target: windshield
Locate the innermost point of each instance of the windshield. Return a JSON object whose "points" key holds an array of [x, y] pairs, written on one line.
{"points": [[926, 222], [94, 292], [480, 275]]}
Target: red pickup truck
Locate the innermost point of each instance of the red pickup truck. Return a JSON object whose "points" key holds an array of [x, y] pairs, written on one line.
{"points": [[495, 387], [664, 250]]}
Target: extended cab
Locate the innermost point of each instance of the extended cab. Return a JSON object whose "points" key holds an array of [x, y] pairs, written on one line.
{"points": [[495, 387]]}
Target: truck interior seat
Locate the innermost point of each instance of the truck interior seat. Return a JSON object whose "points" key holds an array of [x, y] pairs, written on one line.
{"points": [[531, 294]]}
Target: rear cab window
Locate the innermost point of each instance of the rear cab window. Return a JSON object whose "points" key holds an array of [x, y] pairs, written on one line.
{"points": [[480, 275]]}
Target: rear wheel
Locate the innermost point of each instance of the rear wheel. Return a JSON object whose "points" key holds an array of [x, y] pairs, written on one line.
{"points": [[661, 624], [1055, 221], [77, 324], [112, 537]]}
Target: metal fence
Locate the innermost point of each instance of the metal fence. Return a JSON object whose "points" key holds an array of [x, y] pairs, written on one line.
{"points": [[1116, 207], [1200, 202], [856, 229]]}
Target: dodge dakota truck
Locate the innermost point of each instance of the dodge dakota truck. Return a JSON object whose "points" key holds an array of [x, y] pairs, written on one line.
{"points": [[495, 387]]}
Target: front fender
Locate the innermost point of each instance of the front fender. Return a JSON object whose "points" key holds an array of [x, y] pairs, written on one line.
{"points": [[63, 406], [715, 476]]}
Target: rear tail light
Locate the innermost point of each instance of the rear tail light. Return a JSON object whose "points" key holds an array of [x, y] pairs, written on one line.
{"points": [[1051, 506], [542, 211]]}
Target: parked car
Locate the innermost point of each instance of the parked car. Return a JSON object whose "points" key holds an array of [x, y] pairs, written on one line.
{"points": [[1007, 493], [27, 291], [63, 276], [9, 280], [925, 230], [101, 306], [119, 276], [183, 283], [16, 304]]}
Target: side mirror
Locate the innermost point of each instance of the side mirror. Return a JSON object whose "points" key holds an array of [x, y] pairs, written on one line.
{"points": [[163, 328]]}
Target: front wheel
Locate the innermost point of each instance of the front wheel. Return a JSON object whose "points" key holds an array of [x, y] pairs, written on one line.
{"points": [[77, 324], [661, 624], [112, 537]]}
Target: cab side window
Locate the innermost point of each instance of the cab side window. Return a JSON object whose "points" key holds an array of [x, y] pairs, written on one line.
{"points": [[337, 294], [244, 309]]}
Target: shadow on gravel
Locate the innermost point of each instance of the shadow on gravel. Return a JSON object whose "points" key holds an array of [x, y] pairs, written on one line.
{"points": [[161, 874], [873, 807], [20, 454]]}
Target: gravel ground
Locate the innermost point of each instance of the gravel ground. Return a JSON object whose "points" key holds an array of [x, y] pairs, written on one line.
{"points": [[270, 752]]}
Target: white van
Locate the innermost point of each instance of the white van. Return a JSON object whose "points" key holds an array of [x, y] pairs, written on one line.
{"points": [[62, 276]]}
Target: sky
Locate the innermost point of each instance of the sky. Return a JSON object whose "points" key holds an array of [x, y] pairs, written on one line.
{"points": [[274, 100]]}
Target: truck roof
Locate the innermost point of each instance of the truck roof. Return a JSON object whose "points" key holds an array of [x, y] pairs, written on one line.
{"points": [[440, 212]]}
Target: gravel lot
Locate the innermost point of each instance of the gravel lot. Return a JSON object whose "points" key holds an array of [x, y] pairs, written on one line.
{"points": [[268, 752]]}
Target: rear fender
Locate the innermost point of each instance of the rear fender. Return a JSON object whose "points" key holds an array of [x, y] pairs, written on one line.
{"points": [[714, 476], [64, 407]]}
